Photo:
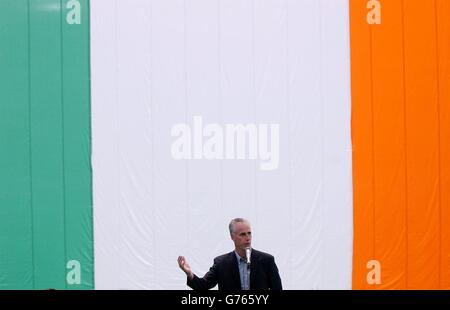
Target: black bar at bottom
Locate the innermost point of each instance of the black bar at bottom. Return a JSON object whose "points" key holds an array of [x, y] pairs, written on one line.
{"points": [[216, 299]]}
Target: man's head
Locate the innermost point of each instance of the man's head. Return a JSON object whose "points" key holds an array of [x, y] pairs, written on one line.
{"points": [[240, 233]]}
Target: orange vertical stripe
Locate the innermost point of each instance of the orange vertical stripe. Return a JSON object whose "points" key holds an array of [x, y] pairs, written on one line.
{"points": [[422, 141], [389, 147], [360, 43], [443, 39], [401, 143]]}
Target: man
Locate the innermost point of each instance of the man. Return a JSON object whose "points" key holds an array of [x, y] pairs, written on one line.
{"points": [[231, 270]]}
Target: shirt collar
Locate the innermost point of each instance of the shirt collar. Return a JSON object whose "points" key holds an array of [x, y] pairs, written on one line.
{"points": [[238, 257]]}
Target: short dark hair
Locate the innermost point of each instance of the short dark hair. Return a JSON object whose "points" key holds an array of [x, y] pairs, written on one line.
{"points": [[234, 221]]}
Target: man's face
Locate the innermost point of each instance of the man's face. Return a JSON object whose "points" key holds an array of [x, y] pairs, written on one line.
{"points": [[242, 235]]}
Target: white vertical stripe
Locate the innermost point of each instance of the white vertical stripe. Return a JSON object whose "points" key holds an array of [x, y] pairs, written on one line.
{"points": [[162, 62], [202, 91], [335, 90], [305, 119], [105, 144]]}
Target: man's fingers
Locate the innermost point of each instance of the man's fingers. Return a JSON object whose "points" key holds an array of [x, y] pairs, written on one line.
{"points": [[181, 261]]}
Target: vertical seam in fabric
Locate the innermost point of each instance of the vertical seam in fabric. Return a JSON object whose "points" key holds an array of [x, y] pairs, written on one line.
{"points": [[289, 167], [152, 119], [91, 198], [438, 97], [219, 60], [63, 138], [254, 99], [186, 101], [322, 139], [116, 88], [405, 143], [372, 103], [30, 146]]}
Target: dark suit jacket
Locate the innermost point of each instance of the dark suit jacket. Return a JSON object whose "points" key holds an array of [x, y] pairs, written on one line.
{"points": [[225, 272]]}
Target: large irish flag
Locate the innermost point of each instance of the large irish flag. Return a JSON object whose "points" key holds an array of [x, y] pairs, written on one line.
{"points": [[133, 131]]}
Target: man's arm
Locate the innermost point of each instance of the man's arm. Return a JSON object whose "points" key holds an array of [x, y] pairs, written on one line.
{"points": [[196, 283], [205, 283]]}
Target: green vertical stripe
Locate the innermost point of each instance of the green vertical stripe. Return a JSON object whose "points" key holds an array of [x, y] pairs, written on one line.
{"points": [[45, 168], [47, 144], [77, 144], [16, 257]]}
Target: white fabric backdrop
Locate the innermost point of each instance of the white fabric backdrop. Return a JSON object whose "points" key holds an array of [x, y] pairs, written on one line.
{"points": [[156, 63]]}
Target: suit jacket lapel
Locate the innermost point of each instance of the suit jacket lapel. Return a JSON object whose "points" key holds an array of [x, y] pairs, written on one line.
{"points": [[235, 270], [253, 268]]}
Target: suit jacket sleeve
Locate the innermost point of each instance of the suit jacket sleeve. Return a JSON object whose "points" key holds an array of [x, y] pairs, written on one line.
{"points": [[275, 280], [207, 282]]}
